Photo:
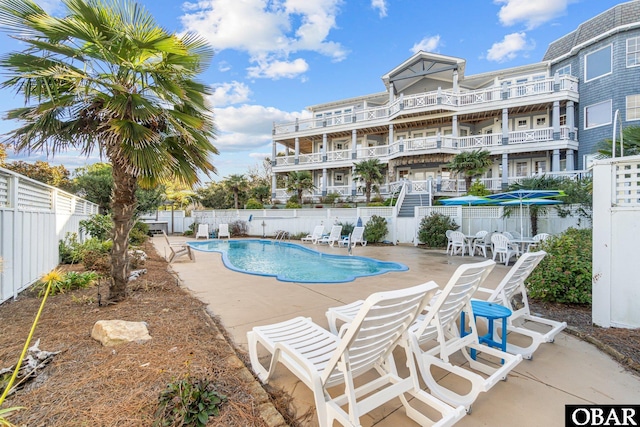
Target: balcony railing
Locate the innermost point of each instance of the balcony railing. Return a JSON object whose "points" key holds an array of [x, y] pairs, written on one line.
{"points": [[431, 144], [426, 100]]}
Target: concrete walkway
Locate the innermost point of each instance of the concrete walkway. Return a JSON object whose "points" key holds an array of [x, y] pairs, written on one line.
{"points": [[568, 371]]}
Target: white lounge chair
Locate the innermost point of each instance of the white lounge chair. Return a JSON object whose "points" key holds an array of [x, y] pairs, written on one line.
{"points": [[357, 236], [439, 331], [512, 286], [178, 249], [203, 231], [318, 231], [323, 360], [223, 231], [333, 237]]}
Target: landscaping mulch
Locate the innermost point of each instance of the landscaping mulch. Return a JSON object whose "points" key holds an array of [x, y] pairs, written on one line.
{"points": [[88, 384]]}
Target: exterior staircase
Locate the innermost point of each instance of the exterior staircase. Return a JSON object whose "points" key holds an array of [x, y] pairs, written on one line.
{"points": [[410, 202]]}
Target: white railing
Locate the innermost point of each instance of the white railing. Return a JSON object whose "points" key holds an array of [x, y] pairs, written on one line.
{"points": [[416, 144], [530, 135], [377, 151], [427, 100], [475, 141], [310, 158], [333, 156], [342, 190]]}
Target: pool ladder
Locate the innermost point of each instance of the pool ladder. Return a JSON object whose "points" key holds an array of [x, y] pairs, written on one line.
{"points": [[281, 235]]}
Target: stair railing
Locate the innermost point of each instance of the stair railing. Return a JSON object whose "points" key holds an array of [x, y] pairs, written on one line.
{"points": [[403, 192]]}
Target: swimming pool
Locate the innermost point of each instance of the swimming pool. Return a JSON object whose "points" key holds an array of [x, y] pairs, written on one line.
{"points": [[289, 262]]}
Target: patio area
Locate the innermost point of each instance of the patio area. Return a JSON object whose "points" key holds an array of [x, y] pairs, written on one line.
{"points": [[568, 371]]}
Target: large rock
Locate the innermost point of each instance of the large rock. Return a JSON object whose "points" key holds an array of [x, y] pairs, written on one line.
{"points": [[114, 332]]}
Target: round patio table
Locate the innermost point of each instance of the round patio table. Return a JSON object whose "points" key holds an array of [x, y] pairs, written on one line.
{"points": [[491, 311]]}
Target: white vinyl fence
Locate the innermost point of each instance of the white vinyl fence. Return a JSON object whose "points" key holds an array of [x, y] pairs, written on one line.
{"points": [[616, 233], [33, 218]]}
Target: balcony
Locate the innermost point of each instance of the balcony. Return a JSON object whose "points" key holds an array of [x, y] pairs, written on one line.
{"points": [[461, 102], [530, 139]]}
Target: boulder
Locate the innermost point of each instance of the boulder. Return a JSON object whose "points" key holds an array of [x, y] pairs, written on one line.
{"points": [[113, 332]]}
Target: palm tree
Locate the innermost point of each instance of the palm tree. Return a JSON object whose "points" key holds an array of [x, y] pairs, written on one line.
{"points": [[471, 164], [537, 183], [371, 173], [235, 183], [3, 154], [299, 181], [630, 143], [106, 78]]}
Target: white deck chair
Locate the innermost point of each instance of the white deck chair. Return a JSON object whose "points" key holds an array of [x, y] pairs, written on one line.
{"points": [[318, 231], [333, 237], [178, 249], [449, 242], [540, 237], [458, 243], [512, 286], [482, 244], [203, 231], [223, 231], [357, 236], [322, 360], [438, 328], [502, 246]]}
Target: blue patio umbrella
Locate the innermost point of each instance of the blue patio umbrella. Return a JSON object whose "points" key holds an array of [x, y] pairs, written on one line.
{"points": [[526, 194], [529, 202], [467, 201]]}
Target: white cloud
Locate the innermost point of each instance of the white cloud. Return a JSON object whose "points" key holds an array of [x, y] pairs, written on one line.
{"points": [[532, 12], [427, 44], [267, 31], [50, 6], [248, 127], [509, 47], [229, 93], [381, 5], [278, 69]]}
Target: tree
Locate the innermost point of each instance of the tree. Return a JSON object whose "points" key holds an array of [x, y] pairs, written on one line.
{"points": [[630, 143], [471, 164], [214, 196], [106, 78], [300, 181], [236, 183], [56, 176], [543, 182], [3, 154], [371, 173]]}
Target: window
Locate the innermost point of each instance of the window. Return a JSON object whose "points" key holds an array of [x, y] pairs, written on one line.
{"points": [[541, 121], [597, 115], [633, 107], [564, 71], [563, 120], [522, 169], [338, 178], [541, 166], [597, 64], [633, 52], [522, 123]]}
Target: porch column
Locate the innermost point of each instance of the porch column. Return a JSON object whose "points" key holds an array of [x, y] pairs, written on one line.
{"points": [[353, 181], [571, 120], [273, 186], [505, 126], [555, 161], [297, 151], [455, 81], [555, 120], [324, 182], [324, 147], [354, 142], [454, 126], [570, 161], [392, 93], [391, 134], [505, 171], [273, 153]]}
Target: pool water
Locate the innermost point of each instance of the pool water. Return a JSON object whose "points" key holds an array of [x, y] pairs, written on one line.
{"points": [[289, 262]]}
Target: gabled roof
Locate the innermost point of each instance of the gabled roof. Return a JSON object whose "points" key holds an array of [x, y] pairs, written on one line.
{"points": [[618, 17], [422, 64]]}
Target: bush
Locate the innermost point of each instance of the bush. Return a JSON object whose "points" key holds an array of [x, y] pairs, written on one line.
{"points": [[347, 227], [67, 282], [238, 228], [188, 402], [433, 228], [98, 226], [139, 233], [331, 199], [292, 205], [254, 204], [375, 229], [375, 204], [565, 274], [69, 249], [478, 189]]}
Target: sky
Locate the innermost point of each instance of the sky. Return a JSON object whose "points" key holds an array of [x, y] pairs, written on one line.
{"points": [[274, 58]]}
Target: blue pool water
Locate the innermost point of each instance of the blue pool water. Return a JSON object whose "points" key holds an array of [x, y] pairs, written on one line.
{"points": [[290, 262]]}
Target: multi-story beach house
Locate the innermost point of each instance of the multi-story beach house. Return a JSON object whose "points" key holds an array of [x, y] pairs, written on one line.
{"points": [[542, 118]]}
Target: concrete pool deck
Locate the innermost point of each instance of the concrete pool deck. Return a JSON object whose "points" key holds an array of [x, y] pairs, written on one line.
{"points": [[568, 371]]}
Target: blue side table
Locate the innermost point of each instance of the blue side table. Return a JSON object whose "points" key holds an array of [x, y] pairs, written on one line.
{"points": [[491, 311]]}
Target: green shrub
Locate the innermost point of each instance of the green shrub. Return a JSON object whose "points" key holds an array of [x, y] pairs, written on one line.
{"points": [[238, 228], [69, 249], [331, 199], [254, 204], [347, 227], [565, 274], [375, 204], [139, 233], [292, 205], [188, 402], [391, 201], [375, 229], [433, 228], [98, 226], [67, 282], [478, 189]]}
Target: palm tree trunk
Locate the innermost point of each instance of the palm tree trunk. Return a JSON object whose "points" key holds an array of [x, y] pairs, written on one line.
{"points": [[367, 192], [123, 207], [235, 199]]}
